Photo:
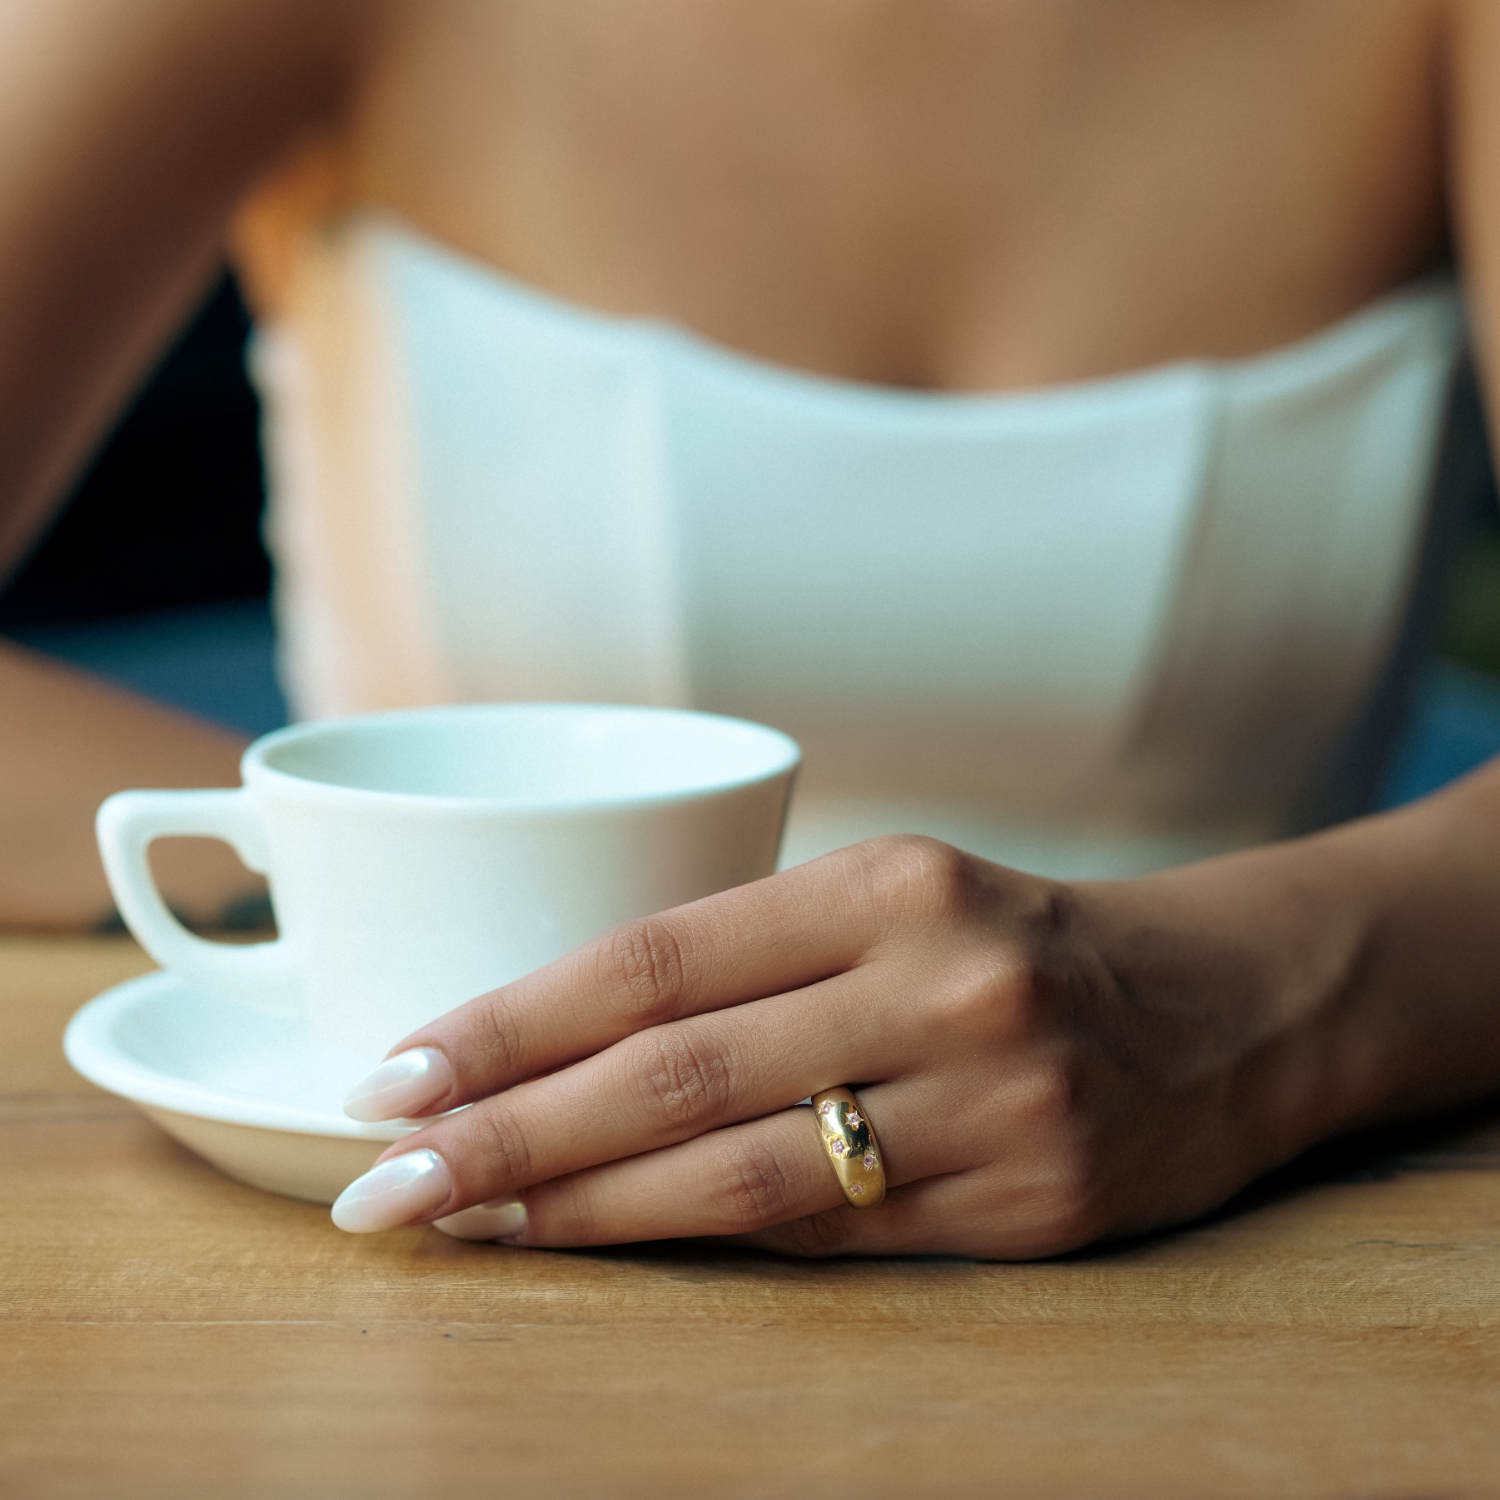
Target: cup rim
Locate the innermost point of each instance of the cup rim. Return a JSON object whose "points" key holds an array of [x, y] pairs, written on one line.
{"points": [[254, 769]]}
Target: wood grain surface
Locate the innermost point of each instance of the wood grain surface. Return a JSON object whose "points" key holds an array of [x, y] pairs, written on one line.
{"points": [[167, 1333]]}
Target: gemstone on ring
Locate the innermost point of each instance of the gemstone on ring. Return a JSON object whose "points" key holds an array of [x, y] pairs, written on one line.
{"points": [[848, 1140]]}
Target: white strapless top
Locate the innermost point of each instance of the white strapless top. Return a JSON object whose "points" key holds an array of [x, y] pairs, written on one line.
{"points": [[1092, 629]]}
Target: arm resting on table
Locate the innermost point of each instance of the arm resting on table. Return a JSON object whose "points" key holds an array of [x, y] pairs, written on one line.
{"points": [[67, 740]]}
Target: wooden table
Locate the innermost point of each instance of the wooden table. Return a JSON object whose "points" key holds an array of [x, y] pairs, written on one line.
{"points": [[165, 1332]]}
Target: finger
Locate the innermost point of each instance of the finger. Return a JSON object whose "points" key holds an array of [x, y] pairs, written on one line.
{"points": [[1023, 1203], [726, 1182], [732, 1181], [661, 1087], [993, 1213], [783, 933], [950, 1215]]}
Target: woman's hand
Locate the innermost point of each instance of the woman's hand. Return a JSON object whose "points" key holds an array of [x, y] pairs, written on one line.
{"points": [[1043, 1064]]}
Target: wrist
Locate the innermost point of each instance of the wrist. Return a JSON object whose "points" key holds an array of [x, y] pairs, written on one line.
{"points": [[1421, 1010], [1268, 951], [1358, 968]]}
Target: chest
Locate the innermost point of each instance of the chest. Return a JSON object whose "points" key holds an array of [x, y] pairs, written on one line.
{"points": [[955, 194], [1169, 587]]}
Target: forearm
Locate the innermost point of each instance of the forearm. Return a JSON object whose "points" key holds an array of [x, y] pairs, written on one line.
{"points": [[1364, 963], [1419, 1015], [130, 130], [66, 742]]}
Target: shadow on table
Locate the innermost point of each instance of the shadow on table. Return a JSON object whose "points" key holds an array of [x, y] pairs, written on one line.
{"points": [[1463, 1141], [1466, 1141]]}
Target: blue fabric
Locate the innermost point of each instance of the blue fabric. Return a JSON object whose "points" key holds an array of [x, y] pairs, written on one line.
{"points": [[1454, 727], [216, 661]]}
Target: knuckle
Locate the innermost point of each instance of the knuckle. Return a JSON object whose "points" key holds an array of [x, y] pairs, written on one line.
{"points": [[983, 1005], [1065, 1211], [977, 1008], [645, 967], [499, 1039], [571, 1217], [753, 1188], [1048, 1098], [686, 1081], [1024, 991], [1052, 1207], [912, 876], [501, 1145], [1065, 1193], [817, 1236]]}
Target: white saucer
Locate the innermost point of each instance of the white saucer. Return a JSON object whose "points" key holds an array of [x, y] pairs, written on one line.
{"points": [[248, 1091]]}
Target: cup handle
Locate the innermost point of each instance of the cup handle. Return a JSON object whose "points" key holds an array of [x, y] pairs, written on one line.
{"points": [[255, 974]]}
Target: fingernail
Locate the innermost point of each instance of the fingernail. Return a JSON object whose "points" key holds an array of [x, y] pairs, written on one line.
{"points": [[400, 1086], [500, 1219], [393, 1193]]}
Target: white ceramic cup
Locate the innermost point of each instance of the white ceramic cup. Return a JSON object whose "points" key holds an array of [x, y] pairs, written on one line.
{"points": [[417, 859]]}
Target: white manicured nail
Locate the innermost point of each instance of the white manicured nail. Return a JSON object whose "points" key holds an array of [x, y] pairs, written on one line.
{"points": [[499, 1219], [400, 1086], [393, 1193]]}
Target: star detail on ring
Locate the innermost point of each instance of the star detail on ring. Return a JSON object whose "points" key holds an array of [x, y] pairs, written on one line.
{"points": [[853, 1119], [837, 1147], [870, 1161]]}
